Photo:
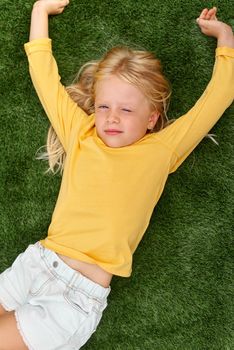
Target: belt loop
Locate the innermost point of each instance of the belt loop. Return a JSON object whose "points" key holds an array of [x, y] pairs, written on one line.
{"points": [[41, 250], [74, 277]]}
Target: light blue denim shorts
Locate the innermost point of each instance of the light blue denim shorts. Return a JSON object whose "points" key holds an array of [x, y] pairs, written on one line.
{"points": [[55, 306]]}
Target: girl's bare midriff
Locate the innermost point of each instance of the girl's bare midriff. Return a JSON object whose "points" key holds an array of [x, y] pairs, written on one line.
{"points": [[94, 272]]}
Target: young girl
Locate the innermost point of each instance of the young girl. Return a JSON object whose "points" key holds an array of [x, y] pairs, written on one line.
{"points": [[117, 152]]}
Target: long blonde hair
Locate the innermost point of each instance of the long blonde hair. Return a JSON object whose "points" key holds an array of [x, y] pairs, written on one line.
{"points": [[139, 68]]}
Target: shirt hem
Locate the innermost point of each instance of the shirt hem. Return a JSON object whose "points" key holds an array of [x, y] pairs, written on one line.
{"points": [[82, 257]]}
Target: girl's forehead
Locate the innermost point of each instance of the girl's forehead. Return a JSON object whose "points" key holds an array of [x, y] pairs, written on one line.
{"points": [[117, 87]]}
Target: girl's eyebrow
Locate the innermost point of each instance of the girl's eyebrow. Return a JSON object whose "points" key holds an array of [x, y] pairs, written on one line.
{"points": [[126, 104]]}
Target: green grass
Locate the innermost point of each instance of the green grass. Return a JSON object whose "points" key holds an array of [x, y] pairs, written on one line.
{"points": [[180, 293]]}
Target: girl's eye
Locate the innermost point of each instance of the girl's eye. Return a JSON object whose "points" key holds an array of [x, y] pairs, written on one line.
{"points": [[102, 107]]}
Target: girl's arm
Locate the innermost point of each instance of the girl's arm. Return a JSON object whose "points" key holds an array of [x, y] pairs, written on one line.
{"points": [[62, 111], [39, 17], [183, 135]]}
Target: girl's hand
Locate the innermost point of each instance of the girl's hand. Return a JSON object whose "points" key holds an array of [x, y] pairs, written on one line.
{"points": [[211, 26], [51, 7], [209, 14], [40, 13]]}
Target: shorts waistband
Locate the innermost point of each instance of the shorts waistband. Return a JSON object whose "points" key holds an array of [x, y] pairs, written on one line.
{"points": [[72, 277]]}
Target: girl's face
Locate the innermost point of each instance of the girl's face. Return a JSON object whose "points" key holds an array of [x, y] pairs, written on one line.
{"points": [[122, 112]]}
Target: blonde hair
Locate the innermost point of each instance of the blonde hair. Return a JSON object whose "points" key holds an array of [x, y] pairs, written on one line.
{"points": [[139, 68]]}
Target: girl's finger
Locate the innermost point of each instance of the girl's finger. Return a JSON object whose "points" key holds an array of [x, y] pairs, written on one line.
{"points": [[214, 13], [211, 13], [215, 10], [203, 13]]}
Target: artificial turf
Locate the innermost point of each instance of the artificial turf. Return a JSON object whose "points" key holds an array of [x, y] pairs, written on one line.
{"points": [[180, 295]]}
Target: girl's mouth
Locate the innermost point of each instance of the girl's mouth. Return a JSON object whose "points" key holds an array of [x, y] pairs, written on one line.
{"points": [[113, 131]]}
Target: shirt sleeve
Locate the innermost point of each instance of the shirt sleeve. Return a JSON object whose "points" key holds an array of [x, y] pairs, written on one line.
{"points": [[63, 113], [183, 135]]}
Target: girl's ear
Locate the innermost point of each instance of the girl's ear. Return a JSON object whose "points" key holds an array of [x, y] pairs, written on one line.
{"points": [[153, 120]]}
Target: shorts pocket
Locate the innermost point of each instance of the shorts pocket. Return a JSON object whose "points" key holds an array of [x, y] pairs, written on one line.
{"points": [[41, 282], [79, 301]]}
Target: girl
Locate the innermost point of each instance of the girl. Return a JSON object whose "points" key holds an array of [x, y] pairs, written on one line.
{"points": [[54, 294]]}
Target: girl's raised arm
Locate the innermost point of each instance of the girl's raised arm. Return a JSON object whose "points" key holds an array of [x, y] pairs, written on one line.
{"points": [[40, 13], [187, 131], [64, 114]]}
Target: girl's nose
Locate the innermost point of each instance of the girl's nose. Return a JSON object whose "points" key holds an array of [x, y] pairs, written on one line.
{"points": [[112, 117]]}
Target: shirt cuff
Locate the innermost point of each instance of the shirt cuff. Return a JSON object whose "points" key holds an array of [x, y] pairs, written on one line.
{"points": [[36, 45], [224, 51]]}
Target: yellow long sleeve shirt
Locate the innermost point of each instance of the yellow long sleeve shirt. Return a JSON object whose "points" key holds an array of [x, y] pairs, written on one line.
{"points": [[107, 195]]}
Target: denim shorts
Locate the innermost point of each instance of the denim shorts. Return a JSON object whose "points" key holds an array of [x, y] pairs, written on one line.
{"points": [[56, 308]]}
